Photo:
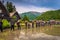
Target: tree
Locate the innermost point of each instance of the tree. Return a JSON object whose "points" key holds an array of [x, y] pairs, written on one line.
{"points": [[25, 18], [10, 7], [14, 8]]}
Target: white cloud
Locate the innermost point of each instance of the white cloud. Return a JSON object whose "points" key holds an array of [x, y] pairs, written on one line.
{"points": [[22, 9]]}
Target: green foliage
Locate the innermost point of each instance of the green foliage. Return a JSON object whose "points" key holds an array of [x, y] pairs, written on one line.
{"points": [[10, 7], [5, 23], [14, 17], [50, 15], [25, 18]]}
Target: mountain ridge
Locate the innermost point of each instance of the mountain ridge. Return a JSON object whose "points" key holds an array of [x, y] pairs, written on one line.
{"points": [[50, 15], [31, 15]]}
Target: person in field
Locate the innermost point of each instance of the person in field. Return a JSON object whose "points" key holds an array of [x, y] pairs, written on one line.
{"points": [[12, 24], [1, 28], [32, 24], [26, 24], [37, 24], [18, 24]]}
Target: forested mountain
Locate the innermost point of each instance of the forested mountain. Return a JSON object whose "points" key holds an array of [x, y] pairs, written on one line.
{"points": [[31, 15], [50, 15]]}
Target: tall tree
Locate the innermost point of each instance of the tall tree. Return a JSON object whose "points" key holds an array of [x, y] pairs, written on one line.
{"points": [[10, 6], [25, 18]]}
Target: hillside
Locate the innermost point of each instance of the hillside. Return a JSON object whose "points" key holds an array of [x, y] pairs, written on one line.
{"points": [[31, 15], [50, 15]]}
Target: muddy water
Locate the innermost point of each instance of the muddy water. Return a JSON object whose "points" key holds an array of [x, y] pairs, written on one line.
{"points": [[34, 34], [27, 34]]}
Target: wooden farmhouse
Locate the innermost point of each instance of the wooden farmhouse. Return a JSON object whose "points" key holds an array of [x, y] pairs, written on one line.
{"points": [[3, 12], [6, 15]]}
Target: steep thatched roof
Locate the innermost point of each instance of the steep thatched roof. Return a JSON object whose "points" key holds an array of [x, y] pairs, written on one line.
{"points": [[3, 11], [4, 14], [2, 7], [16, 15]]}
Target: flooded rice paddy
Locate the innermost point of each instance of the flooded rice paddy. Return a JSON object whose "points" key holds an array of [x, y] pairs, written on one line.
{"points": [[27, 34]]}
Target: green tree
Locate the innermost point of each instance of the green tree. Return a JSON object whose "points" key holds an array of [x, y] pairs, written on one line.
{"points": [[25, 18], [10, 7]]}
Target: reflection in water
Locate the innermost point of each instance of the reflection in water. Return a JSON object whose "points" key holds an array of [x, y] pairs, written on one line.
{"points": [[34, 34], [25, 34], [28, 34]]}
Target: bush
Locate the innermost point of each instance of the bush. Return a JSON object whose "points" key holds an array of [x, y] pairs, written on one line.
{"points": [[6, 24]]}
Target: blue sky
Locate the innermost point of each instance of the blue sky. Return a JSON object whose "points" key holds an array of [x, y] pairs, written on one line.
{"points": [[35, 5]]}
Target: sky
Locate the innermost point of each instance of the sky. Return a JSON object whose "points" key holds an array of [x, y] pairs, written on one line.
{"points": [[35, 5]]}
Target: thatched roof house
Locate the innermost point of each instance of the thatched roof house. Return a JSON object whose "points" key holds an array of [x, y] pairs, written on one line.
{"points": [[3, 11], [5, 15], [15, 16]]}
